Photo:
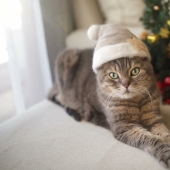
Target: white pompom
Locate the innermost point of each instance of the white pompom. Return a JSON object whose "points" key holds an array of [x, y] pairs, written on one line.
{"points": [[93, 32]]}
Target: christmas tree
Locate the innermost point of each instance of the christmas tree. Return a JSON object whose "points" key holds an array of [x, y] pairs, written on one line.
{"points": [[156, 19]]}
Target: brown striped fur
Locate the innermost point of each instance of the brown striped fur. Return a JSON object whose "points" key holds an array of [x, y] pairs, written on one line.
{"points": [[131, 114]]}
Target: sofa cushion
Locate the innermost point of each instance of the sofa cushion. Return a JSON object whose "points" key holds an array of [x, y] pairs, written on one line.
{"points": [[86, 13], [124, 12], [79, 39], [45, 137]]}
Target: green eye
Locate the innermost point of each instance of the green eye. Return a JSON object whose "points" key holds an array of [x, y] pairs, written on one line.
{"points": [[113, 75], [135, 71]]}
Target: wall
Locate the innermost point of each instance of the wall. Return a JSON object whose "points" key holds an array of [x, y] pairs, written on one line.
{"points": [[58, 22]]}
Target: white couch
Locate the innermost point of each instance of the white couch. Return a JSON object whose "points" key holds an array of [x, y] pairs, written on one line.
{"points": [[46, 138]]}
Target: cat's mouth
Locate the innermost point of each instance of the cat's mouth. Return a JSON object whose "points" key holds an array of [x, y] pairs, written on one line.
{"points": [[127, 91], [128, 94]]}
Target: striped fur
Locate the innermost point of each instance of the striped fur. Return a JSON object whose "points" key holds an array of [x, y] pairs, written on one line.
{"points": [[131, 114]]}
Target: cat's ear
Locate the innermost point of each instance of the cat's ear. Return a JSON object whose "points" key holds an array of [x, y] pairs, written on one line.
{"points": [[93, 32]]}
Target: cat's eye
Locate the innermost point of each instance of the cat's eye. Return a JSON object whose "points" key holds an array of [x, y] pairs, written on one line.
{"points": [[135, 71], [113, 75]]}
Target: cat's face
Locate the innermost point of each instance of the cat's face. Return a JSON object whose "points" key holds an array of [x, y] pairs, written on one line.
{"points": [[125, 77]]}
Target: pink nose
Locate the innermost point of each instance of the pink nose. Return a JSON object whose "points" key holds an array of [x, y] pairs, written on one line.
{"points": [[126, 85]]}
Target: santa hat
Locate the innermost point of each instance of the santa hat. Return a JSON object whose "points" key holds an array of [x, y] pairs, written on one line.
{"points": [[114, 42]]}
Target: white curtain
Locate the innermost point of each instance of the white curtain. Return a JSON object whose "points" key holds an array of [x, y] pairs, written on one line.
{"points": [[28, 60]]}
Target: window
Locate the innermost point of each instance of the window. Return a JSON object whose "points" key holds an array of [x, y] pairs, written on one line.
{"points": [[23, 48]]}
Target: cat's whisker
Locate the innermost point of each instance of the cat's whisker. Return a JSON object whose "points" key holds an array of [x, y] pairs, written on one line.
{"points": [[105, 101], [148, 95], [108, 98], [113, 97], [111, 100], [152, 93], [138, 90], [99, 88], [117, 98]]}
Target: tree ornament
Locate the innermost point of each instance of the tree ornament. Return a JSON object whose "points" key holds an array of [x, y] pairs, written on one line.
{"points": [[167, 81], [168, 22], [156, 8], [152, 38], [164, 33], [167, 101], [161, 86], [144, 35]]}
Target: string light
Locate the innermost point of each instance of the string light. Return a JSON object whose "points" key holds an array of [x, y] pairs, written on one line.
{"points": [[156, 8]]}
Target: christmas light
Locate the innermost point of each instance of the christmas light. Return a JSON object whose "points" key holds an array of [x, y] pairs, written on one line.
{"points": [[164, 33], [156, 8], [152, 38], [168, 22]]}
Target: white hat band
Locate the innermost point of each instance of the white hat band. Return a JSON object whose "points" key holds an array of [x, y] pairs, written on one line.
{"points": [[112, 52]]}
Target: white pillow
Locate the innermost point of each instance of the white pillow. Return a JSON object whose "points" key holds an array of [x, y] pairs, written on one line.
{"points": [[124, 12], [86, 13], [80, 35]]}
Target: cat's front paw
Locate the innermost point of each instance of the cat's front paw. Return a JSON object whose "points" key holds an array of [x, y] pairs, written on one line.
{"points": [[73, 113], [164, 156]]}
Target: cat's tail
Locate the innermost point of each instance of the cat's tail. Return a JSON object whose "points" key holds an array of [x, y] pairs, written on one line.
{"points": [[52, 95]]}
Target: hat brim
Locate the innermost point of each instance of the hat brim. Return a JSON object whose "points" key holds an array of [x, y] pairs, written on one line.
{"points": [[112, 52]]}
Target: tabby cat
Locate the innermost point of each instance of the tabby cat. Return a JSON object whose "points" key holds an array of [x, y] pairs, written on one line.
{"points": [[122, 97]]}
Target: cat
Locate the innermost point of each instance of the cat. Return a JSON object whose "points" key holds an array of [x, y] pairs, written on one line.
{"points": [[123, 97]]}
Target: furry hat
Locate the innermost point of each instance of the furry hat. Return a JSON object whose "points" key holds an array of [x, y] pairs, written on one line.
{"points": [[113, 42]]}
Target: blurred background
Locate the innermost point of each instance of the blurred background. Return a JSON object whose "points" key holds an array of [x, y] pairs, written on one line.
{"points": [[33, 32]]}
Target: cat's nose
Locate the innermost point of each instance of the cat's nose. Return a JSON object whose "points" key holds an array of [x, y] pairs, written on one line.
{"points": [[126, 85]]}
